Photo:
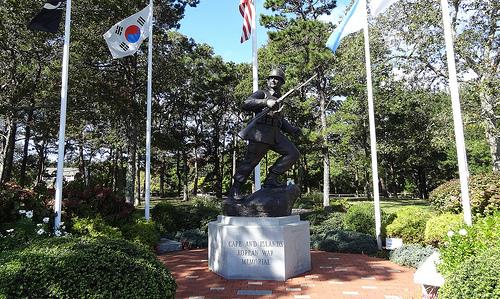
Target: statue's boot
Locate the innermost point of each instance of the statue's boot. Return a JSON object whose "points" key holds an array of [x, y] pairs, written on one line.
{"points": [[272, 181], [235, 191]]}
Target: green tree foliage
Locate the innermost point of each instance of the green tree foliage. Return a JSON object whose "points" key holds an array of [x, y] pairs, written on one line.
{"points": [[197, 97]]}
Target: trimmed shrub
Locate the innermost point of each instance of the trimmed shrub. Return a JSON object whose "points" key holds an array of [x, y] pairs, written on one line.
{"points": [[97, 200], [94, 228], [411, 255], [437, 227], [477, 277], [83, 268], [469, 242], [14, 198], [409, 224], [345, 241], [361, 218], [335, 221], [141, 232], [168, 217], [192, 238], [484, 195], [198, 213]]}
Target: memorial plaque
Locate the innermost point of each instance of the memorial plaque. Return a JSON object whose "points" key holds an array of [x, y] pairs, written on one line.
{"points": [[259, 248]]}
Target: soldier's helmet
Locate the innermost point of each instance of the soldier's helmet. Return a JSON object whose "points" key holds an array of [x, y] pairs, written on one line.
{"points": [[276, 72]]}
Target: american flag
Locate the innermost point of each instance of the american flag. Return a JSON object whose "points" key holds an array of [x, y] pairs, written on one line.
{"points": [[247, 11]]}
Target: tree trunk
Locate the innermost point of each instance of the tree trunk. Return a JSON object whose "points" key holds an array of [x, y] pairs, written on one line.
{"points": [[130, 176], [114, 179], [195, 180], [82, 166], [217, 168], [109, 175], [324, 150], [27, 136], [178, 173], [488, 102], [8, 151], [41, 160], [162, 177], [305, 180], [185, 175], [422, 183], [137, 199]]}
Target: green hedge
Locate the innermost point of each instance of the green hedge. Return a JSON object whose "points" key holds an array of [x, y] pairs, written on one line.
{"points": [[192, 238], [142, 232], [361, 218], [477, 277], [173, 217], [409, 224], [83, 268], [469, 242], [484, 192], [335, 221], [437, 227], [345, 241], [14, 198], [411, 255], [94, 228]]}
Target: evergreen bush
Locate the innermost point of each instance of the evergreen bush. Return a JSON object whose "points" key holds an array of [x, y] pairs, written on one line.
{"points": [[86, 203], [94, 228], [192, 238], [484, 192], [335, 221], [14, 198], [477, 277], [197, 213], [83, 268], [142, 232], [345, 241], [409, 224], [411, 255], [469, 242], [361, 218], [437, 227]]}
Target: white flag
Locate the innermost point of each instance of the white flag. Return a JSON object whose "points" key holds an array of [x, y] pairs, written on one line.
{"points": [[126, 36], [379, 6]]}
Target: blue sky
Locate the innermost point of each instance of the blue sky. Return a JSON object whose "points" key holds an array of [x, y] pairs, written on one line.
{"points": [[218, 23]]}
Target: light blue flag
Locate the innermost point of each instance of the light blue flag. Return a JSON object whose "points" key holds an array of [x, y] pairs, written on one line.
{"points": [[352, 22]]}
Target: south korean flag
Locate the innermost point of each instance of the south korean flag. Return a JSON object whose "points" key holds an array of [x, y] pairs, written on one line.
{"points": [[126, 36]]}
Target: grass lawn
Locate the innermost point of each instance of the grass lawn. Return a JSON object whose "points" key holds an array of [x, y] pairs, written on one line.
{"points": [[392, 205], [388, 205]]}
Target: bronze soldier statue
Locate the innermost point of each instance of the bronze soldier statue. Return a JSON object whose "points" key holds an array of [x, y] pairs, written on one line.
{"points": [[265, 133]]}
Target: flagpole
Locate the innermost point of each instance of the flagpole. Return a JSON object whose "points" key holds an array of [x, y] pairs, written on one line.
{"points": [[371, 116], [148, 122], [457, 115], [62, 117], [255, 79]]}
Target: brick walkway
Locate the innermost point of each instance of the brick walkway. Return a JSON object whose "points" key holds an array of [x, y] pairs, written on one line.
{"points": [[333, 275]]}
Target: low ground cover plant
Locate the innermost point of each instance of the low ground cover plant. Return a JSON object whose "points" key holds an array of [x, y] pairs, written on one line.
{"points": [[411, 255]]}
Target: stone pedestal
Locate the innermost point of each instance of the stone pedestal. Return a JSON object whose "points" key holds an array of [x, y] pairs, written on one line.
{"points": [[259, 248]]}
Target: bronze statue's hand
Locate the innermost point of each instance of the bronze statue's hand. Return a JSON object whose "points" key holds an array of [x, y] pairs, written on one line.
{"points": [[271, 102]]}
